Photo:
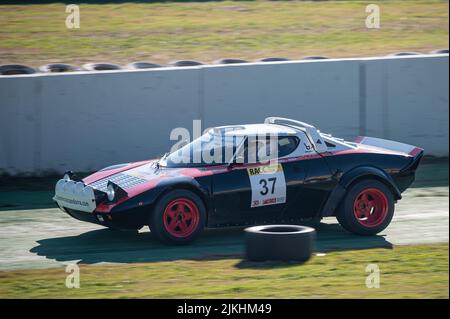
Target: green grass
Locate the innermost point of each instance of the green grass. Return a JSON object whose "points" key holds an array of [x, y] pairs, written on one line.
{"points": [[406, 272], [160, 32]]}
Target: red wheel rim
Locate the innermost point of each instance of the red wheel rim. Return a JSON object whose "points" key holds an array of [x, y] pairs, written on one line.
{"points": [[371, 207], [181, 217]]}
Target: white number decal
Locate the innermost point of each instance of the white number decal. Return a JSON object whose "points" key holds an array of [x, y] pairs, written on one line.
{"points": [[268, 185]]}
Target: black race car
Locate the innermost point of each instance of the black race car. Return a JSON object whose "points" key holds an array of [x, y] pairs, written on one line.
{"points": [[221, 179]]}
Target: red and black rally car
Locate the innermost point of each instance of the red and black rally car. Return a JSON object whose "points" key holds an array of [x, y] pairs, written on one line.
{"points": [[308, 175]]}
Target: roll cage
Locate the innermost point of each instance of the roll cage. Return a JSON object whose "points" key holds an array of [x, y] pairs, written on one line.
{"points": [[311, 132]]}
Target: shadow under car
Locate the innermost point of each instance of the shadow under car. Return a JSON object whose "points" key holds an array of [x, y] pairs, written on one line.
{"points": [[105, 245]]}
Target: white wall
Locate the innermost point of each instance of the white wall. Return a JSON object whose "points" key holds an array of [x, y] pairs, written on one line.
{"points": [[86, 120], [407, 100], [320, 93]]}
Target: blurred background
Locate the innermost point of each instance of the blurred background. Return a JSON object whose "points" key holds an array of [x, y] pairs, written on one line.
{"points": [[34, 32]]}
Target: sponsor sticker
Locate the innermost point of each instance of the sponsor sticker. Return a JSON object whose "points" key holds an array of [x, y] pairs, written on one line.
{"points": [[268, 185], [75, 195]]}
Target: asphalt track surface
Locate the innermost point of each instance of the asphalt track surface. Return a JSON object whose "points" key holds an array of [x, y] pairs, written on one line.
{"points": [[46, 237]]}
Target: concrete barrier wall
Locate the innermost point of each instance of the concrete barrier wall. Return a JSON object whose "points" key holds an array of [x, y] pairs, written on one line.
{"points": [[84, 121], [324, 94], [407, 100]]}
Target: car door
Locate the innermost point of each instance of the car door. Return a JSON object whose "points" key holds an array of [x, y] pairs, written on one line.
{"points": [[309, 181], [249, 193]]}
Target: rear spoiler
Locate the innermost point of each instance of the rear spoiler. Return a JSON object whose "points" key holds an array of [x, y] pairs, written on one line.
{"points": [[407, 149]]}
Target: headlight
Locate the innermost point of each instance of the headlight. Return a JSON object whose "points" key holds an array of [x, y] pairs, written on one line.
{"points": [[110, 192], [114, 192]]}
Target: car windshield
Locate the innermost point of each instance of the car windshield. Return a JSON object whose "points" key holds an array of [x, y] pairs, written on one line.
{"points": [[209, 149]]}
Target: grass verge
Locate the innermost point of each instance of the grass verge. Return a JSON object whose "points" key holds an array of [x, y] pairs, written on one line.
{"points": [[35, 34], [406, 272]]}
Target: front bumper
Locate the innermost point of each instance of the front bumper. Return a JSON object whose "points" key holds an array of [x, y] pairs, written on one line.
{"points": [[94, 218], [75, 195], [84, 202], [131, 219], [83, 216]]}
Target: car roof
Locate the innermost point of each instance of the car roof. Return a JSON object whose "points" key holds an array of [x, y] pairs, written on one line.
{"points": [[254, 129]]}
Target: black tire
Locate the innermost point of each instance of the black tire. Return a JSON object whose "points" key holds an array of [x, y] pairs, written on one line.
{"points": [[14, 69], [58, 68], [440, 51], [230, 61], [279, 242], [404, 53], [381, 214], [314, 58], [273, 59], [143, 65], [160, 222], [101, 67], [182, 63]]}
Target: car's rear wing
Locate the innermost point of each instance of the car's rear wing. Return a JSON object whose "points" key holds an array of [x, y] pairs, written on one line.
{"points": [[390, 145]]}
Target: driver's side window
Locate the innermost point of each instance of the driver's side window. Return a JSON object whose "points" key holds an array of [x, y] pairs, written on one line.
{"points": [[261, 150], [287, 145]]}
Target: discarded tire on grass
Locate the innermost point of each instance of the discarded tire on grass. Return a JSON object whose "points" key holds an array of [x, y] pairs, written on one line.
{"points": [[279, 242]]}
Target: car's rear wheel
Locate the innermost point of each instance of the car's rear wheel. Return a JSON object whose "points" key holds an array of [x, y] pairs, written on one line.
{"points": [[367, 209], [178, 217]]}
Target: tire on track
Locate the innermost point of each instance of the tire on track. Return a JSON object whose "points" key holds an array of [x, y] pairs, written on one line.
{"points": [[178, 217], [366, 221], [279, 242]]}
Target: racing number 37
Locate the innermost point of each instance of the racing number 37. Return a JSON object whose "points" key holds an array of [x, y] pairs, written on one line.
{"points": [[268, 185], [263, 182]]}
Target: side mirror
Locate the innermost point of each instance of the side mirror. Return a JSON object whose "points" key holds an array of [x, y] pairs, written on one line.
{"points": [[232, 165], [236, 162]]}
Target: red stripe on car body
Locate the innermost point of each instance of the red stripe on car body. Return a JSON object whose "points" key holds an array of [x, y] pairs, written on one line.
{"points": [[196, 172], [416, 151], [103, 174]]}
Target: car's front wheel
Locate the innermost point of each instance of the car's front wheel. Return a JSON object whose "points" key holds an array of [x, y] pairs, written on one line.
{"points": [[367, 209], [178, 217]]}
